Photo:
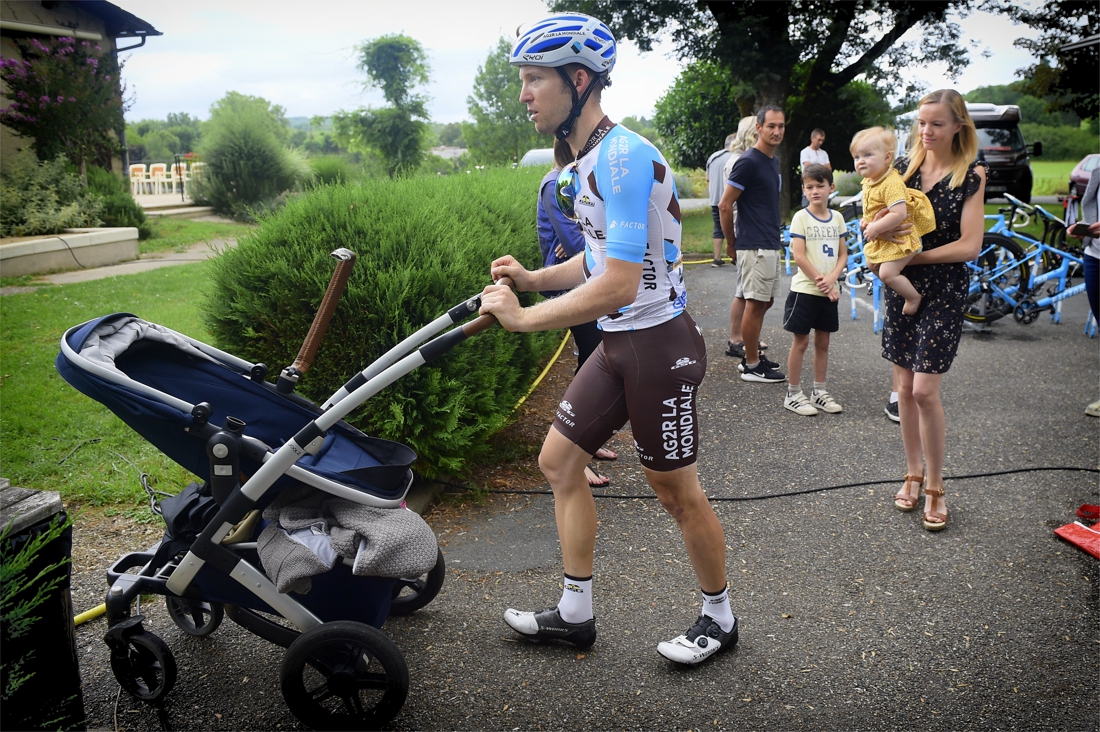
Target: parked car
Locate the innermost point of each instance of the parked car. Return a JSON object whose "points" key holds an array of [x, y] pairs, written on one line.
{"points": [[1079, 176], [543, 156], [1004, 150]]}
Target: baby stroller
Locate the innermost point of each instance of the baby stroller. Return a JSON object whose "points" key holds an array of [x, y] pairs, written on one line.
{"points": [[250, 440]]}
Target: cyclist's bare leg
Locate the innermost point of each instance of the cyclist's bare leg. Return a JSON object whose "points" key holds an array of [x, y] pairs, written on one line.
{"points": [[682, 496], [563, 463]]}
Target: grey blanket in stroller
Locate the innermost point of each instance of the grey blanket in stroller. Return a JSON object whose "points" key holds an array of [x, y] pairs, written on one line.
{"points": [[310, 531]]}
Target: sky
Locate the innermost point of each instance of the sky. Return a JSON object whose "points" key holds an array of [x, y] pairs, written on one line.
{"points": [[300, 55]]}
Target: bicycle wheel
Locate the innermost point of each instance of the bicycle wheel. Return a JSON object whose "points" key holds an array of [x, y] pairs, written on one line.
{"points": [[1000, 268]]}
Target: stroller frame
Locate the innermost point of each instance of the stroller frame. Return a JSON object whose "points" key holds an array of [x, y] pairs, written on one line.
{"points": [[140, 656]]}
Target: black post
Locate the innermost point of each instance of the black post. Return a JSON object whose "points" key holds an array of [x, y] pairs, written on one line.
{"points": [[175, 168]]}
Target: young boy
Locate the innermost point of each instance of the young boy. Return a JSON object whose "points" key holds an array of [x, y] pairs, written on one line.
{"points": [[821, 253]]}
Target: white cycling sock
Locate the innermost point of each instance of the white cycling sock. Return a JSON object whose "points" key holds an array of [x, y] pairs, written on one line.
{"points": [[576, 600], [718, 607]]}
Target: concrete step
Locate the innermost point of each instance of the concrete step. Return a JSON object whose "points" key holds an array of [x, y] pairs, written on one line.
{"points": [[180, 212]]}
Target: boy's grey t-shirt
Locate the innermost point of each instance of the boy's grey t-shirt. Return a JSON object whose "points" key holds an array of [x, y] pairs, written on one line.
{"points": [[757, 176]]}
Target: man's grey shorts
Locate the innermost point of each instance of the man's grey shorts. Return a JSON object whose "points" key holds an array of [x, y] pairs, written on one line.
{"points": [[759, 269]]}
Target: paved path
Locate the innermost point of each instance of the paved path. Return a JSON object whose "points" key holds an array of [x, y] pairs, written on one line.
{"points": [[853, 616]]}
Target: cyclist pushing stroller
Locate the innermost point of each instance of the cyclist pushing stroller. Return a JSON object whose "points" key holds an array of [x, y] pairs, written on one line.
{"points": [[883, 190]]}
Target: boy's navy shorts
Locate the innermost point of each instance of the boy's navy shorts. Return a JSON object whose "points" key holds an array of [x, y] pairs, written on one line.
{"points": [[803, 313]]}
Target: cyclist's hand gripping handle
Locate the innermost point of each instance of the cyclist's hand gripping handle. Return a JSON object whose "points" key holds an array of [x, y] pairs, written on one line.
{"points": [[484, 322], [345, 261]]}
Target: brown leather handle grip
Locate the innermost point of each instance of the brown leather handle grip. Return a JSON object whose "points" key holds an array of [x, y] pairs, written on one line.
{"points": [[345, 261], [484, 322]]}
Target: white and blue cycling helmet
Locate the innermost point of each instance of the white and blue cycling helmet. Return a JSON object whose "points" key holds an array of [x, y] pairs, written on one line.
{"points": [[568, 38]]}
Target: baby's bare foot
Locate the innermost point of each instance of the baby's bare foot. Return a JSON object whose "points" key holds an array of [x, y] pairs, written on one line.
{"points": [[911, 306]]}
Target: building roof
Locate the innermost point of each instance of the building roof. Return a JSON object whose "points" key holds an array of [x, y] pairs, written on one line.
{"points": [[118, 22]]}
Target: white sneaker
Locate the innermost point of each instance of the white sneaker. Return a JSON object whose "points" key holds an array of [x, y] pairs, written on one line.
{"points": [[1093, 410], [826, 403], [799, 404], [699, 643]]}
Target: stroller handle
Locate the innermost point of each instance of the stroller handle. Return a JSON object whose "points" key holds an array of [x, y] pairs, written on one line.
{"points": [[484, 322], [345, 262]]}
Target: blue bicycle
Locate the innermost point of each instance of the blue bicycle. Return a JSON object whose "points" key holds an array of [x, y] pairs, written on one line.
{"points": [[1009, 278]]}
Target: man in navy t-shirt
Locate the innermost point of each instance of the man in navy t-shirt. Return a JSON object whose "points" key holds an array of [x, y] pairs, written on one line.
{"points": [[755, 184]]}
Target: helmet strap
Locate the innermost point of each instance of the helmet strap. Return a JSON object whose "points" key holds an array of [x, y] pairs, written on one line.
{"points": [[566, 128]]}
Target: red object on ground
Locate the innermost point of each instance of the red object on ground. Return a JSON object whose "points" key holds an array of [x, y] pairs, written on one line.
{"points": [[1085, 538]]}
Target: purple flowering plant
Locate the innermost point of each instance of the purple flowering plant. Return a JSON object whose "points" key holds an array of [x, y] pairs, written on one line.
{"points": [[67, 98]]}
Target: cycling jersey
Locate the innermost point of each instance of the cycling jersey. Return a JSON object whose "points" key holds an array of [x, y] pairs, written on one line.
{"points": [[629, 211]]}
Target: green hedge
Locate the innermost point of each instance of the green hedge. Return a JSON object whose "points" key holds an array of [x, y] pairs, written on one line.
{"points": [[424, 244], [1061, 143]]}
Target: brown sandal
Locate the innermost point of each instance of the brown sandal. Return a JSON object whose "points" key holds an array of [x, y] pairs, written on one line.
{"points": [[933, 520], [906, 501]]}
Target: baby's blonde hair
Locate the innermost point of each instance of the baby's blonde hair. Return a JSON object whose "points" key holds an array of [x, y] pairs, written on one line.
{"points": [[881, 137]]}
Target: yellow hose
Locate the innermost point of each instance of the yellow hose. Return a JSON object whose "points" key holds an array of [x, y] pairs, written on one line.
{"points": [[95, 612]]}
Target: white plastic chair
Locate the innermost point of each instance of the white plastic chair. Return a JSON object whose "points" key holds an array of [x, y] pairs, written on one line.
{"points": [[138, 179], [178, 175], [158, 177]]}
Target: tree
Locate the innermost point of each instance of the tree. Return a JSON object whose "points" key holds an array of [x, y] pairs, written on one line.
{"points": [[395, 64], [271, 117], [697, 112], [501, 131], [451, 134], [68, 97], [1070, 83], [762, 45]]}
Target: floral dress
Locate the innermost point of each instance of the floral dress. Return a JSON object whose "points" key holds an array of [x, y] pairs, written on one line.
{"points": [[927, 342]]}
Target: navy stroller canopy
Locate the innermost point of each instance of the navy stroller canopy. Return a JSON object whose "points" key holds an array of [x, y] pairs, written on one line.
{"points": [[152, 378]]}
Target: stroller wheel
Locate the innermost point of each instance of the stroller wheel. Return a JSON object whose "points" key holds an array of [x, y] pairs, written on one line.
{"points": [[145, 668], [199, 619], [344, 676], [411, 594]]}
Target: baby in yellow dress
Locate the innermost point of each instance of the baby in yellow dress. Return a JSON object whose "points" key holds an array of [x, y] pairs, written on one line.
{"points": [[873, 153]]}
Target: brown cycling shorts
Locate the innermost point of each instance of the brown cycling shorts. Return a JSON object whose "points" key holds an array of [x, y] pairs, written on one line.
{"points": [[650, 377]]}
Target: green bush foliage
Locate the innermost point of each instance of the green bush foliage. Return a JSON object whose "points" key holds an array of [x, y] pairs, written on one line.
{"points": [[119, 207], [424, 244], [1061, 143], [332, 169], [248, 168], [44, 198]]}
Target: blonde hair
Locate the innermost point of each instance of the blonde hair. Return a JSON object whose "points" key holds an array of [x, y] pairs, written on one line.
{"points": [[964, 145], [880, 137], [745, 137]]}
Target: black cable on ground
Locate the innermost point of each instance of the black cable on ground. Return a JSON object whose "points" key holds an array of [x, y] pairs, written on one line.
{"points": [[786, 494], [71, 252]]}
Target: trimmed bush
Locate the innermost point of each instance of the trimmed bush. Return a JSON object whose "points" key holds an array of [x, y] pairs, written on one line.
{"points": [[248, 168], [332, 169], [424, 244], [44, 198], [119, 207], [1061, 143]]}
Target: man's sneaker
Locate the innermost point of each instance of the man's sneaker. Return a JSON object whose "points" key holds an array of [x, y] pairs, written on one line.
{"points": [[699, 643], [799, 404], [717, 263], [892, 411], [761, 373], [548, 625], [823, 401], [764, 360]]}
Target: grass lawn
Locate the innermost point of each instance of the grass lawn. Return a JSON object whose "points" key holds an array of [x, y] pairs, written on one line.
{"points": [[695, 236], [47, 428], [170, 234], [1050, 177]]}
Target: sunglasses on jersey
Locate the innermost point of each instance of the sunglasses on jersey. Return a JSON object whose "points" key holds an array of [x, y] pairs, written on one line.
{"points": [[566, 189]]}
